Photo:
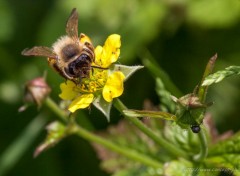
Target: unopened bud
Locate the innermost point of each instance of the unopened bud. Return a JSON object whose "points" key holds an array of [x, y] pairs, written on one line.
{"points": [[36, 91], [191, 101]]}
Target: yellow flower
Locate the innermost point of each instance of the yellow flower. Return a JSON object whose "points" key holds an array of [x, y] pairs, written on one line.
{"points": [[108, 83]]}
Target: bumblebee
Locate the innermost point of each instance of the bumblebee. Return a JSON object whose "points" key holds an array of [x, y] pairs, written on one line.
{"points": [[71, 56]]}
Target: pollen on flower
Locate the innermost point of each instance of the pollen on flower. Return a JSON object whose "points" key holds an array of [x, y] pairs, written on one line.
{"points": [[95, 82]]}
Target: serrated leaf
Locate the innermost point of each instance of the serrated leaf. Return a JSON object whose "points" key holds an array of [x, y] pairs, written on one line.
{"points": [[229, 146], [151, 114], [220, 75], [178, 168], [103, 106], [165, 97], [228, 163], [126, 70], [180, 138], [139, 171]]}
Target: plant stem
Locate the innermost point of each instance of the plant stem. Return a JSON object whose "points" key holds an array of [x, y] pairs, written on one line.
{"points": [[76, 129], [159, 140], [54, 107], [127, 152], [203, 147]]}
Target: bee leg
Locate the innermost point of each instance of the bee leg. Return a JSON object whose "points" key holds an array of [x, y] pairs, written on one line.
{"points": [[92, 70], [79, 81]]}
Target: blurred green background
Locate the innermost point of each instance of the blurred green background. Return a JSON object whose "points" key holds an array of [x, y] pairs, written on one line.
{"points": [[181, 36]]}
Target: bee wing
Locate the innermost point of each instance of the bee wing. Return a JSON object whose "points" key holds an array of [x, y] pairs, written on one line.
{"points": [[39, 51], [72, 25]]}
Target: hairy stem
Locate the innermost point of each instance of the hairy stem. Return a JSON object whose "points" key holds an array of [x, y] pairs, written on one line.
{"points": [[127, 152], [161, 141], [203, 147], [76, 129], [55, 108]]}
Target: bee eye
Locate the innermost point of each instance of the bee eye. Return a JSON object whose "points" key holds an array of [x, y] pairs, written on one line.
{"points": [[84, 57], [71, 68], [80, 65]]}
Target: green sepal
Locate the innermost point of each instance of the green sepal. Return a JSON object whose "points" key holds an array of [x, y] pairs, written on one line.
{"points": [[99, 102], [126, 70], [189, 111], [150, 114], [201, 90], [103, 106]]}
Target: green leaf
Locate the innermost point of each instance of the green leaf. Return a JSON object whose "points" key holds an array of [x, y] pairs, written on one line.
{"points": [[220, 75], [151, 114], [228, 163], [180, 138], [126, 70], [167, 103], [103, 106], [229, 146], [127, 136], [178, 168]]}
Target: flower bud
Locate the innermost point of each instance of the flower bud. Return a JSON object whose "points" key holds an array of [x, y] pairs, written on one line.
{"points": [[36, 91]]}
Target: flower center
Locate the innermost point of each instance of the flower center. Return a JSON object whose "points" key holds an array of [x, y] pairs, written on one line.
{"points": [[95, 82]]}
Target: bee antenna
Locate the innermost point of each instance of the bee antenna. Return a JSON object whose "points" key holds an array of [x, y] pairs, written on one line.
{"points": [[99, 67]]}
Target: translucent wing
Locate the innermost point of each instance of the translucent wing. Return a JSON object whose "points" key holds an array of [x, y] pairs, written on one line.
{"points": [[39, 51], [72, 25]]}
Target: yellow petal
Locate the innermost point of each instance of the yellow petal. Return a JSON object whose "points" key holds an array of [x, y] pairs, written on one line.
{"points": [[113, 41], [67, 89], [114, 86], [109, 53], [112, 48], [81, 102], [98, 55]]}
